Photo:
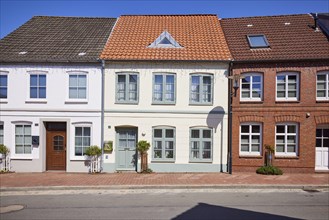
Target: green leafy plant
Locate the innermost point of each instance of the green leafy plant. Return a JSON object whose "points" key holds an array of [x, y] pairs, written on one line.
{"points": [[93, 151], [269, 170], [108, 146], [143, 146], [4, 150]]}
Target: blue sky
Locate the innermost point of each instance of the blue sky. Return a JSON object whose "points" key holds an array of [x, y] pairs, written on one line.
{"points": [[14, 13]]}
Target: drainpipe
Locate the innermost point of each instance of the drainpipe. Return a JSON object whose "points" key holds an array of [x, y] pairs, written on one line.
{"points": [[230, 99], [102, 112]]}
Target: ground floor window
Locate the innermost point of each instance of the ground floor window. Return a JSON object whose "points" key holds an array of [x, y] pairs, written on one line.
{"points": [[201, 144], [82, 140], [163, 143], [286, 139], [322, 137], [23, 139], [250, 139]]}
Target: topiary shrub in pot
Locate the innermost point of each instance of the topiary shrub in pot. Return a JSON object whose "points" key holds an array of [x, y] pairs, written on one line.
{"points": [[142, 147], [4, 152], [93, 153]]}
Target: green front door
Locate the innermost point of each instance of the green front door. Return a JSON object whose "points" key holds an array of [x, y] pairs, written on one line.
{"points": [[126, 149]]}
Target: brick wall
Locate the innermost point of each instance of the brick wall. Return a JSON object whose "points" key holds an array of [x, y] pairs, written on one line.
{"points": [[269, 112]]}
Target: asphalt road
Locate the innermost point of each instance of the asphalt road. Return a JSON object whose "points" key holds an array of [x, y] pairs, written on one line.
{"points": [[175, 205]]}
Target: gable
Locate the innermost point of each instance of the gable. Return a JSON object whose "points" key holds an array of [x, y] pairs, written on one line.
{"points": [[165, 40]]}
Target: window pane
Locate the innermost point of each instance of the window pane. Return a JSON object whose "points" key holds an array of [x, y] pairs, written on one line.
{"points": [[27, 149], [42, 92], [291, 129], [170, 79], [325, 133], [245, 147], [281, 94], [158, 133], [255, 139], [255, 128], [318, 143], [195, 145], [86, 141], [280, 129], [292, 79], [82, 81], [291, 148], [257, 41], [291, 139], [280, 139], [3, 93], [33, 92], [169, 133], [244, 139], [157, 154], [325, 142], [169, 154], [133, 79], [279, 148], [19, 149], [33, 80], [246, 80], [206, 145], [256, 94], [292, 94], [86, 131], [19, 139], [3, 80], [244, 128], [78, 131], [281, 79], [206, 133], [27, 140], [321, 93], [27, 130], [321, 78], [158, 145], [158, 79], [321, 86], [82, 93], [206, 154], [245, 94], [169, 145], [195, 133], [42, 80], [195, 154], [121, 78], [256, 79], [19, 129], [255, 148], [73, 93], [78, 141], [73, 81], [78, 151]]}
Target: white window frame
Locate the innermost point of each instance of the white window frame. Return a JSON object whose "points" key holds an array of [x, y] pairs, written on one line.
{"points": [[286, 134], [163, 140], [251, 98], [5, 73], [286, 98], [80, 125], [322, 138], [250, 134], [164, 84], [201, 139], [126, 101], [326, 98], [200, 101], [13, 153], [77, 100]]}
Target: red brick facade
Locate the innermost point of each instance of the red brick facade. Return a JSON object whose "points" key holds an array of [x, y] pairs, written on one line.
{"points": [[307, 112]]}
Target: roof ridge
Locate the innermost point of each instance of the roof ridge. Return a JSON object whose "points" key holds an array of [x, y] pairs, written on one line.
{"points": [[166, 15], [75, 17], [262, 16]]}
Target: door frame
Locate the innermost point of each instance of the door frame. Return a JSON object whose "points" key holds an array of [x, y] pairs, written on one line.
{"points": [[66, 142], [322, 168], [125, 128]]}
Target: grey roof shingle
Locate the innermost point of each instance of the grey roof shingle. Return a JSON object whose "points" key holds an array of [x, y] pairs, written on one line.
{"points": [[57, 39]]}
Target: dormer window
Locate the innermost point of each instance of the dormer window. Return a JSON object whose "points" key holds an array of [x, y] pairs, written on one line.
{"points": [[258, 41], [165, 40]]}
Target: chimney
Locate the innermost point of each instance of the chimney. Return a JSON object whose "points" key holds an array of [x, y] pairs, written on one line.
{"points": [[316, 27]]}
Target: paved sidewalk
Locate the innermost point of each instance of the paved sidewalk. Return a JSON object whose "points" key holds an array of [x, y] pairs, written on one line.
{"points": [[160, 180]]}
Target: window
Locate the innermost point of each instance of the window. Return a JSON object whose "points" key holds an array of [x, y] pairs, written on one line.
{"points": [[258, 41], [77, 86], [322, 137], [82, 140], [322, 86], [127, 88], [1, 134], [3, 86], [201, 144], [251, 87], [37, 86], [165, 40], [23, 139], [201, 89], [250, 139], [287, 87], [286, 139], [164, 143], [164, 88]]}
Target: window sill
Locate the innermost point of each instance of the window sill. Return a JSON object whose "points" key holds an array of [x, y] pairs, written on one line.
{"points": [[200, 104], [126, 103], [71, 101], [251, 156], [3, 101], [287, 101], [200, 161], [78, 158], [163, 161], [163, 103], [322, 101], [286, 157], [21, 157], [37, 101]]}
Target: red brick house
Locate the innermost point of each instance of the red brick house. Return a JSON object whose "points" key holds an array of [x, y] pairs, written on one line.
{"points": [[283, 100]]}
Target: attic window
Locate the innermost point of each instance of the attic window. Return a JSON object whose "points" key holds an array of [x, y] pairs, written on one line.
{"points": [[258, 41], [165, 40]]}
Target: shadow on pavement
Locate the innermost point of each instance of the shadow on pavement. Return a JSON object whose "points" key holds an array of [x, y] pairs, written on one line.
{"points": [[206, 211]]}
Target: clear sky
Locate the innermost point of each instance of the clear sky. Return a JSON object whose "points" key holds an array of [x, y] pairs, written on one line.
{"points": [[14, 13]]}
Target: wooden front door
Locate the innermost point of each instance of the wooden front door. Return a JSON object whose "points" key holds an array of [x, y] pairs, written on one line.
{"points": [[56, 150], [126, 149]]}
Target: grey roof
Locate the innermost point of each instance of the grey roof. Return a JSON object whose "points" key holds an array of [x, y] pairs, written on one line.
{"points": [[57, 39]]}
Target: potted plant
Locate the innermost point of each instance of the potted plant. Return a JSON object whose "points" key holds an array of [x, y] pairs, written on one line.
{"points": [[108, 147], [93, 153], [142, 147], [4, 152]]}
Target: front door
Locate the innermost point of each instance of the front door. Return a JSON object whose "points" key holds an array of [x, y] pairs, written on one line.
{"points": [[126, 149], [56, 150], [322, 148]]}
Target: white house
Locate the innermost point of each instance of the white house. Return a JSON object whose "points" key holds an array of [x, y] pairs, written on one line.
{"points": [[50, 87], [166, 83]]}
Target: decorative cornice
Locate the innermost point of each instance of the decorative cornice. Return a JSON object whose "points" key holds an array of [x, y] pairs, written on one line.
{"points": [[286, 118], [322, 119], [251, 118]]}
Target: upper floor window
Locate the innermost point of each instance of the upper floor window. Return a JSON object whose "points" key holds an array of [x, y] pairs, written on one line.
{"points": [[201, 89], [164, 143], [77, 86], [250, 139], [23, 139], [127, 87], [201, 144], [3, 86], [286, 139], [38, 86], [257, 41], [82, 140], [322, 86], [164, 88], [251, 87], [287, 86]]}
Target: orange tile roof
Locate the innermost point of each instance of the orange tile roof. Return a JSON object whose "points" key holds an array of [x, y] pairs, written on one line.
{"points": [[201, 37]]}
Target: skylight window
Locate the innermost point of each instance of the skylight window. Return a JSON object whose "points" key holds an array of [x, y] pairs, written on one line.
{"points": [[165, 40], [258, 41]]}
